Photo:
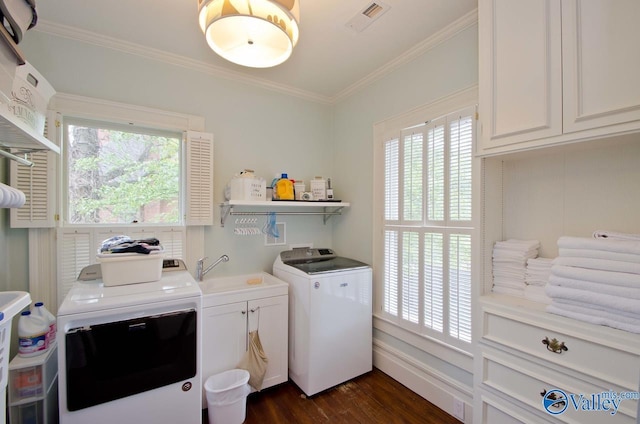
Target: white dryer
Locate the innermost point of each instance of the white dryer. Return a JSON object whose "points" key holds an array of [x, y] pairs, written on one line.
{"points": [[131, 353], [330, 317]]}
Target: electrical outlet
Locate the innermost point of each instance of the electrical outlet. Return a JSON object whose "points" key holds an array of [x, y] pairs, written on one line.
{"points": [[458, 409]]}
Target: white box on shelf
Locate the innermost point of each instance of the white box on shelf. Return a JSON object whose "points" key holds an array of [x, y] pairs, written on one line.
{"points": [[119, 269], [30, 97], [251, 189]]}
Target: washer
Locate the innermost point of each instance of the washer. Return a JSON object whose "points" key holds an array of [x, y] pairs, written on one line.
{"points": [[330, 317], [131, 353]]}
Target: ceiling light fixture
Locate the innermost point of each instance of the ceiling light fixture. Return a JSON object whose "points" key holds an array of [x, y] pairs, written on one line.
{"points": [[253, 33]]}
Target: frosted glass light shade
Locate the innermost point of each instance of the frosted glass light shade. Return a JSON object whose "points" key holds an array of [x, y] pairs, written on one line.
{"points": [[253, 33]]}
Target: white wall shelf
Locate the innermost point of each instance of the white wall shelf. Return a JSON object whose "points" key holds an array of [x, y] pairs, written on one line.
{"points": [[329, 209], [15, 136]]}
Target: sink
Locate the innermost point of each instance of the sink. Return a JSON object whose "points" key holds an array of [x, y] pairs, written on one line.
{"points": [[11, 303], [239, 288]]}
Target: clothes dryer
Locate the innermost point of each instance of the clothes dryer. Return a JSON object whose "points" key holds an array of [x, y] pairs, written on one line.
{"points": [[131, 353]]}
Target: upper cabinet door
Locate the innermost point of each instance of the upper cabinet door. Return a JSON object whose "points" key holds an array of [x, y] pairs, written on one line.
{"points": [[520, 72], [601, 63]]}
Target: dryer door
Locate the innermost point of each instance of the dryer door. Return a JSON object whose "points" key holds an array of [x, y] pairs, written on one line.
{"points": [[118, 359]]}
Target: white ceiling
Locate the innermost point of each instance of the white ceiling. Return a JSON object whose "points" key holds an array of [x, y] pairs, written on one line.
{"points": [[329, 59]]}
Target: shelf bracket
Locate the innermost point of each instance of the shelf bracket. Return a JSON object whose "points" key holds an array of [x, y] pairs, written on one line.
{"points": [[329, 213], [225, 210]]}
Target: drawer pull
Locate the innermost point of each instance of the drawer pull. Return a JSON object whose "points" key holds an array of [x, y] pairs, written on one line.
{"points": [[554, 345], [559, 401]]}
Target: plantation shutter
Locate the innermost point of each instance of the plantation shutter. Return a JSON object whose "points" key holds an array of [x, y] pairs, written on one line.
{"points": [[38, 183], [76, 249], [428, 226], [199, 178]]}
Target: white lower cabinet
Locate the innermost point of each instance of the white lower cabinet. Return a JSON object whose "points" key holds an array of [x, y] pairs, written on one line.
{"points": [[526, 355], [225, 336]]}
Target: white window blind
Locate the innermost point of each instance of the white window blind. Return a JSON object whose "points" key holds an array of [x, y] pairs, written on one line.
{"points": [[427, 227]]}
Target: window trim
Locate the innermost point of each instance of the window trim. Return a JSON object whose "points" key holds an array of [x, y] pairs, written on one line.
{"points": [[384, 131]]}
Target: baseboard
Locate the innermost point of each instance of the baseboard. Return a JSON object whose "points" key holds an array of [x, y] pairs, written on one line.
{"points": [[431, 384]]}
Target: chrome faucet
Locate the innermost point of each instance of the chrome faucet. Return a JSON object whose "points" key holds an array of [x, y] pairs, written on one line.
{"points": [[201, 271]]}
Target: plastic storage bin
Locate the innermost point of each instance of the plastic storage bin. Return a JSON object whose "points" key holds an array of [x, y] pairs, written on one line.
{"points": [[227, 396], [33, 389], [119, 269]]}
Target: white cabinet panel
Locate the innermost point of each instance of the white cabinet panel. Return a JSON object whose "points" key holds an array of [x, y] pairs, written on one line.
{"points": [[601, 63], [270, 317], [225, 336], [521, 76]]}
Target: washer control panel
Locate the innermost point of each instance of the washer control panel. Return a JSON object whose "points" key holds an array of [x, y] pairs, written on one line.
{"points": [[306, 254]]}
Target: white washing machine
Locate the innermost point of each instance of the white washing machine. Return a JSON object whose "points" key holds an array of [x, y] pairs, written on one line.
{"points": [[131, 353], [330, 317]]}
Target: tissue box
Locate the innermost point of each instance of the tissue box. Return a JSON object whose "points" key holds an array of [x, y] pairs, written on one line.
{"points": [[119, 269]]}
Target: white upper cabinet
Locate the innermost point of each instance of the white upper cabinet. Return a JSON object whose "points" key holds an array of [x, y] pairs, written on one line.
{"points": [[601, 63], [556, 71], [520, 71]]}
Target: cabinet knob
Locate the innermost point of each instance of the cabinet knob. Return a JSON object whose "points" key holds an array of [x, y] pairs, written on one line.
{"points": [[244, 312], [554, 345], [253, 310]]}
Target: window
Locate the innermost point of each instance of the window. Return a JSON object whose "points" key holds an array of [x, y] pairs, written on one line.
{"points": [[121, 175], [428, 227]]}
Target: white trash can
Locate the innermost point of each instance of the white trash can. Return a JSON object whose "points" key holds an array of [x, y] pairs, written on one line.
{"points": [[227, 396]]}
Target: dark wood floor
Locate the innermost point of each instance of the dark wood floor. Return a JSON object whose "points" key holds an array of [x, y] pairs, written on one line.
{"points": [[372, 398]]}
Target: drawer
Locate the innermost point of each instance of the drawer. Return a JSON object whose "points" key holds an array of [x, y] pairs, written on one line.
{"points": [[525, 381], [492, 409], [591, 356]]}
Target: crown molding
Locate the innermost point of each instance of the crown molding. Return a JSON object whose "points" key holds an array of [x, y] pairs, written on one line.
{"points": [[418, 50], [89, 37], [127, 47]]}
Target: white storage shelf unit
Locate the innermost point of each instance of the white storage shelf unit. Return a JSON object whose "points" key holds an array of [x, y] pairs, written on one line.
{"points": [[569, 190], [33, 389]]}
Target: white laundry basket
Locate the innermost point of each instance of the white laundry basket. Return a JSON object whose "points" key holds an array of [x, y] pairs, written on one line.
{"points": [[227, 396]]}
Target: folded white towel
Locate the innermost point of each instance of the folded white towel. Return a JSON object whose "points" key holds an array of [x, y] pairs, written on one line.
{"points": [[629, 292], [620, 246], [615, 235], [601, 299], [591, 318], [599, 264], [598, 254], [564, 303], [11, 197], [509, 291], [597, 276], [537, 294]]}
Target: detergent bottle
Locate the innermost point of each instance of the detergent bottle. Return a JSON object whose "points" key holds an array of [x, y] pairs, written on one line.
{"points": [[41, 311], [32, 335], [283, 189]]}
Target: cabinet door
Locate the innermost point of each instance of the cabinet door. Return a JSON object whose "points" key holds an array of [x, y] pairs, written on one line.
{"points": [[269, 316], [601, 63], [224, 337], [520, 71]]}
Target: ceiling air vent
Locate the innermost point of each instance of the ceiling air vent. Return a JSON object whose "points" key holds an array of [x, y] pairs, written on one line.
{"points": [[366, 16]]}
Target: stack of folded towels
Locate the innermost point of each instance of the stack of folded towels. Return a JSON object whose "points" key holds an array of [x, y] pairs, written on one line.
{"points": [[536, 278], [597, 280], [510, 263]]}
